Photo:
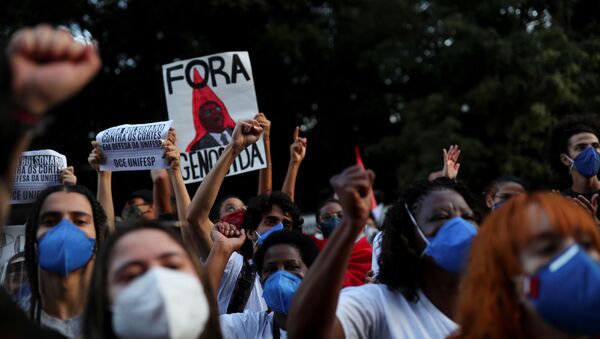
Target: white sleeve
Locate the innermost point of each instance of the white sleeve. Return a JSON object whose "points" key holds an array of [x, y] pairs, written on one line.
{"points": [[357, 312], [240, 325], [376, 251], [229, 280]]}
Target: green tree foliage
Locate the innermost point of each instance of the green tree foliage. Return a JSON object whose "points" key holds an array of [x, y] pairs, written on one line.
{"points": [[400, 78]]}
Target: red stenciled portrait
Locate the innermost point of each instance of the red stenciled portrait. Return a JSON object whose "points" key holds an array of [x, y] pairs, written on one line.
{"points": [[212, 122]]}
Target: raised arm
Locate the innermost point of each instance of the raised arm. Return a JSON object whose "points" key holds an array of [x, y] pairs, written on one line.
{"points": [[161, 192], [265, 176], [245, 133], [47, 67], [226, 240], [297, 154], [104, 186], [315, 302], [182, 198]]}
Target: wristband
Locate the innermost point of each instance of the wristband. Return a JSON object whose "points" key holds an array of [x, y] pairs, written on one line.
{"points": [[26, 118]]}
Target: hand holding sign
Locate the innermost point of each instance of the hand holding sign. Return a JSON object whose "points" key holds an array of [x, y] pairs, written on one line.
{"points": [[67, 176], [96, 156], [298, 147], [246, 133], [48, 67], [172, 153]]}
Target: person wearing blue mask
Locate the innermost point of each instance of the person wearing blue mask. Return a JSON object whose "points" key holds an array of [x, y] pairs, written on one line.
{"points": [[62, 235], [534, 272], [574, 152], [426, 240], [329, 217], [282, 261], [503, 188]]}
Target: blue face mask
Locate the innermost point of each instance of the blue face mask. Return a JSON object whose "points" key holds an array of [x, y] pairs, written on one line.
{"points": [[64, 248], [262, 237], [279, 289], [451, 245], [327, 227], [587, 163], [566, 292]]}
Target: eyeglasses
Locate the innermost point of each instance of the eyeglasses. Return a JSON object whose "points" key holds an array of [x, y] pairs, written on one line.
{"points": [[328, 216], [272, 221]]}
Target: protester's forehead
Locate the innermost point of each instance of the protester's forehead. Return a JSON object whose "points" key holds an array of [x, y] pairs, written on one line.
{"points": [[582, 138], [510, 187], [136, 201], [282, 252], [142, 245], [276, 210], [233, 201], [66, 202], [331, 207], [443, 199]]}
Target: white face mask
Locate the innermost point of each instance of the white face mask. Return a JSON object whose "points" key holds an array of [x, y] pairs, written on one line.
{"points": [[162, 303]]}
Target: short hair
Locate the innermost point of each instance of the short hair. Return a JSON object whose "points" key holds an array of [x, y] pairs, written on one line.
{"points": [[31, 228], [215, 212], [323, 203], [97, 319], [564, 130], [399, 261], [494, 262], [492, 187], [306, 246], [262, 204]]}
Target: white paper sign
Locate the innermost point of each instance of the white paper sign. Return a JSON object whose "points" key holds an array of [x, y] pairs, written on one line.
{"points": [[205, 97], [37, 171], [12, 241], [134, 147]]}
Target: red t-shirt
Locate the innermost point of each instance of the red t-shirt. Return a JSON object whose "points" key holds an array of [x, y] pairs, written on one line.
{"points": [[359, 264]]}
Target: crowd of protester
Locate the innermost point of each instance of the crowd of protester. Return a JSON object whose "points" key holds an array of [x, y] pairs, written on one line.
{"points": [[170, 265]]}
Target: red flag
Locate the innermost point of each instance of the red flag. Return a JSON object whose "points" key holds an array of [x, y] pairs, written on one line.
{"points": [[359, 162]]}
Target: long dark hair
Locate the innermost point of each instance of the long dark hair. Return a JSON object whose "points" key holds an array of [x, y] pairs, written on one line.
{"points": [[97, 320], [31, 229], [399, 260]]}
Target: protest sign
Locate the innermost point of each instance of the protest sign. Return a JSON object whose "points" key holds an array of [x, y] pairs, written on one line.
{"points": [[134, 147], [37, 171], [12, 241], [205, 96]]}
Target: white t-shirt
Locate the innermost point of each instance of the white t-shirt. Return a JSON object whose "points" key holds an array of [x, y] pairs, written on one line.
{"points": [[376, 252], [70, 328], [256, 303], [249, 325], [374, 311]]}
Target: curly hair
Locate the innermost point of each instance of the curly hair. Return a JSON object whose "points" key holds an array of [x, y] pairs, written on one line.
{"points": [[97, 316], [262, 204], [306, 246], [100, 225], [564, 130], [399, 261], [489, 305]]}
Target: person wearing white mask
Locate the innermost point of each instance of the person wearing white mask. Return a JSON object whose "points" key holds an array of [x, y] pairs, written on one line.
{"points": [[146, 285]]}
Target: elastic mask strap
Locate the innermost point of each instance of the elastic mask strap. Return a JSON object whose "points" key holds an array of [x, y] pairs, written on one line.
{"points": [[572, 164], [412, 218]]}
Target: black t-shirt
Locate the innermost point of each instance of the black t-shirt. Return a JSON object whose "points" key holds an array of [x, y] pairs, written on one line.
{"points": [[570, 193], [14, 324]]}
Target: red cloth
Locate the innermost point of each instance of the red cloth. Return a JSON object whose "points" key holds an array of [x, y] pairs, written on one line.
{"points": [[359, 264]]}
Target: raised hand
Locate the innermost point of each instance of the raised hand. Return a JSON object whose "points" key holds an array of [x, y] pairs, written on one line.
{"points": [[228, 236], [451, 164], [246, 133], [67, 176], [96, 156], [264, 123], [48, 66], [590, 206], [172, 154], [353, 186], [298, 147]]}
